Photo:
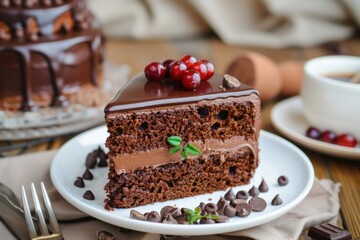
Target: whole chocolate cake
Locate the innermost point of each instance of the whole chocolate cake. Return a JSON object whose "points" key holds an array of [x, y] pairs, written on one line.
{"points": [[50, 53], [152, 123]]}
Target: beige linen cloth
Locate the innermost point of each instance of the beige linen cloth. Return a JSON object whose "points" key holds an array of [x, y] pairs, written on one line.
{"points": [[321, 205], [268, 23]]}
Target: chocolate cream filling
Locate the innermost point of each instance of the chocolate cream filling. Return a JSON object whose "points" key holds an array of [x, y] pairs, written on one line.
{"points": [[161, 156]]}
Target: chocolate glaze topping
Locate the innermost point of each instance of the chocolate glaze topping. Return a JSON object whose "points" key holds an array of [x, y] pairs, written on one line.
{"points": [[139, 93]]}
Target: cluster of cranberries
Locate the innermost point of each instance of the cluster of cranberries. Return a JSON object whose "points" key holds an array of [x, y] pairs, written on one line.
{"points": [[188, 71], [346, 140]]}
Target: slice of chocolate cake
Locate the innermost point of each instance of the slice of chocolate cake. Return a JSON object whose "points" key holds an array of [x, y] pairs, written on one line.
{"points": [[222, 121]]}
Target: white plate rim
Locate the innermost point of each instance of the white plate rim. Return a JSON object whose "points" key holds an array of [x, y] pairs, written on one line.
{"points": [[178, 229], [284, 109]]}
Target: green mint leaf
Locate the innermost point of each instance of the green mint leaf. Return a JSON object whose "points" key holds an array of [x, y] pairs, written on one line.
{"points": [[211, 216], [197, 210], [194, 219], [191, 149], [188, 211], [184, 154], [174, 149], [174, 140]]}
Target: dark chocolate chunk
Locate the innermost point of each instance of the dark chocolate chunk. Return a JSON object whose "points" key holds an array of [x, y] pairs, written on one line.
{"points": [[104, 235], [263, 187], [79, 182], [243, 209], [230, 81], [229, 195], [102, 156], [235, 202], [229, 211], [137, 215], [207, 221], [153, 216], [175, 212], [211, 208], [328, 231], [88, 195], [87, 175], [222, 219], [242, 194], [254, 191], [91, 160], [165, 211], [257, 204], [283, 180], [276, 200], [169, 220]]}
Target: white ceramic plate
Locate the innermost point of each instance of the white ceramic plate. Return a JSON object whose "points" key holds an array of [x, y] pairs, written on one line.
{"points": [[278, 157], [288, 118]]}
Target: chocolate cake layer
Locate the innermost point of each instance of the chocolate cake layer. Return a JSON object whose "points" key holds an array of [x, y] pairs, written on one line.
{"points": [[204, 174], [224, 125]]}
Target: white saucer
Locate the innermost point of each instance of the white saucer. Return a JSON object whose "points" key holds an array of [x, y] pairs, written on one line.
{"points": [[274, 162], [288, 118]]}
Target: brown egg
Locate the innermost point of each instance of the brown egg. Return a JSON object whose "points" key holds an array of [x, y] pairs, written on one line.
{"points": [[259, 72], [292, 73]]}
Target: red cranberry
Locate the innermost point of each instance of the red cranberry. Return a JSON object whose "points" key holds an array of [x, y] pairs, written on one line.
{"points": [[328, 136], [346, 140], [201, 68], [167, 64], [191, 80], [155, 71], [210, 68], [177, 70], [313, 133], [188, 60]]}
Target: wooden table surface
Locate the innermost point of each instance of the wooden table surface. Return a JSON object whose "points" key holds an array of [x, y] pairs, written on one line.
{"points": [[138, 54]]}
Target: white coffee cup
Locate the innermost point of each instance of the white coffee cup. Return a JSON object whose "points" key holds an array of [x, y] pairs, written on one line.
{"points": [[331, 104]]}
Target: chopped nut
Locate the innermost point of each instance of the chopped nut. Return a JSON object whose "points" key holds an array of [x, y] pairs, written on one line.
{"points": [[230, 81]]}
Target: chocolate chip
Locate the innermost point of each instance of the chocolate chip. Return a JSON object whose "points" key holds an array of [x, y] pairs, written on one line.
{"points": [[87, 175], [229, 195], [242, 194], [182, 219], [153, 216], [79, 182], [276, 200], [283, 180], [230, 81], [254, 191], [236, 202], [91, 160], [175, 212], [103, 163], [229, 211], [169, 220], [88, 195], [104, 235], [222, 219], [207, 221], [137, 215], [243, 209], [257, 204], [221, 205], [263, 187], [202, 208], [211, 208], [165, 211]]}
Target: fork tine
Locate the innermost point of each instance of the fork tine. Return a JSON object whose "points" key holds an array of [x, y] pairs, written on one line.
{"points": [[42, 223], [27, 213], [53, 222]]}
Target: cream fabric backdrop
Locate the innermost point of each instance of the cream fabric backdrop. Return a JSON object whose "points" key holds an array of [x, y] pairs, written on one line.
{"points": [[269, 23]]}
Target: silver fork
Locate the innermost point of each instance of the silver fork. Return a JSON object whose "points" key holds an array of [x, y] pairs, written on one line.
{"points": [[55, 233]]}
